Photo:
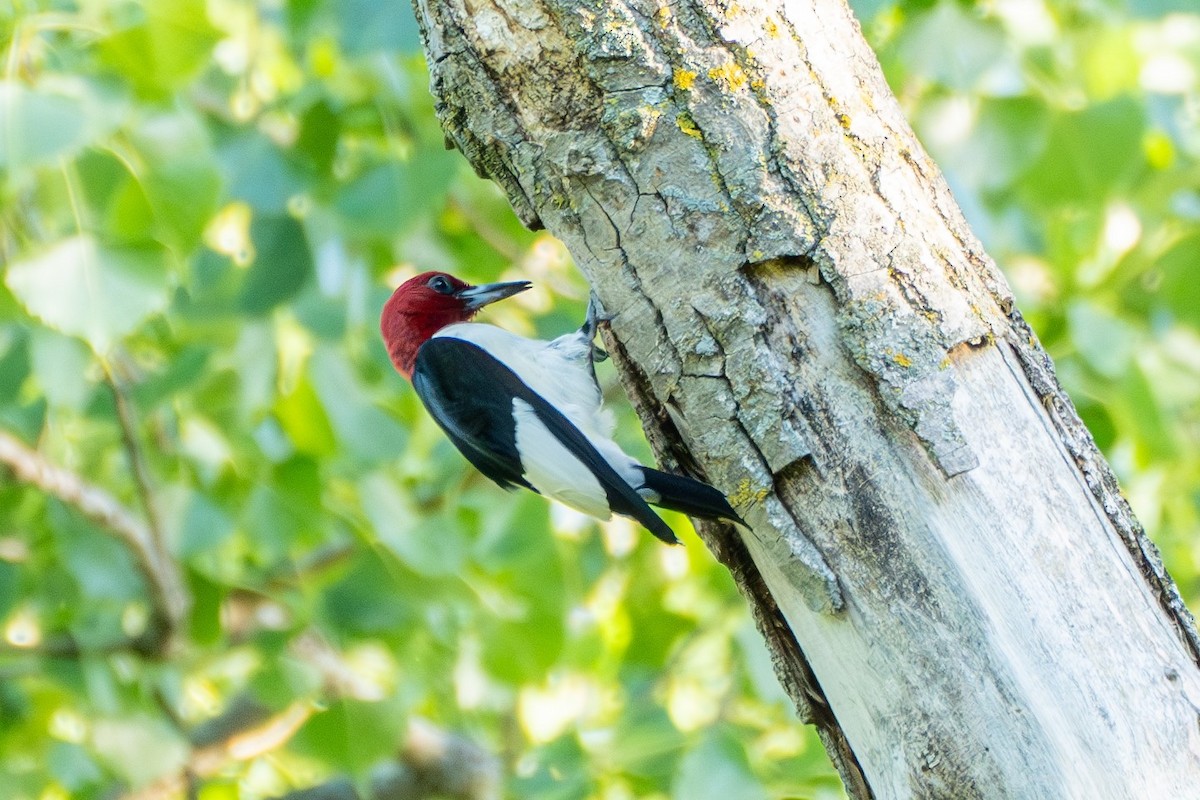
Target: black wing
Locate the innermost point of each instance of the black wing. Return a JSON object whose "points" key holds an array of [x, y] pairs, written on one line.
{"points": [[463, 397], [470, 394]]}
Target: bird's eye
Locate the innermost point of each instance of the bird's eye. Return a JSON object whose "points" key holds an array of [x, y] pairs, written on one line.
{"points": [[440, 285]]}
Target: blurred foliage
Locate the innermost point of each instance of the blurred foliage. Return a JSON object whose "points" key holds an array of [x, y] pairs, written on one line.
{"points": [[204, 203]]}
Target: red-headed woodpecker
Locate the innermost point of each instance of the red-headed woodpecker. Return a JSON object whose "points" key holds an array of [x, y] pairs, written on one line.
{"points": [[527, 412]]}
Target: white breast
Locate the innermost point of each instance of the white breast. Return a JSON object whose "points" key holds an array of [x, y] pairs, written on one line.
{"points": [[556, 370], [552, 469], [560, 372]]}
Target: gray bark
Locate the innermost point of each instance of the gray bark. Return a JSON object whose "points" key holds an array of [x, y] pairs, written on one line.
{"points": [[940, 560]]}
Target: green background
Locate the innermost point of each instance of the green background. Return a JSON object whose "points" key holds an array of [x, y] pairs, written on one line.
{"points": [[209, 201]]}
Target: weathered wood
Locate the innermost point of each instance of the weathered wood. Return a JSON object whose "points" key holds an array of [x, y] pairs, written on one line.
{"points": [[950, 582]]}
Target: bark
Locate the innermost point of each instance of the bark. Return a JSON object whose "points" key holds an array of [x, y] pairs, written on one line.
{"points": [[940, 560]]}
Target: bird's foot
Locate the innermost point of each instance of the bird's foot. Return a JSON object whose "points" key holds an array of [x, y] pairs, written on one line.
{"points": [[597, 314]]}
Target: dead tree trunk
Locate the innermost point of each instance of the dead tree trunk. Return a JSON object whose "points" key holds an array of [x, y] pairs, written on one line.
{"points": [[955, 591]]}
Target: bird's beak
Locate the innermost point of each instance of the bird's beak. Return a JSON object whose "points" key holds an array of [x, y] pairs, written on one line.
{"points": [[477, 297]]}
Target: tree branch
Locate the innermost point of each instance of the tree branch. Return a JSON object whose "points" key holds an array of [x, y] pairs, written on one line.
{"points": [[168, 596], [137, 462], [430, 763]]}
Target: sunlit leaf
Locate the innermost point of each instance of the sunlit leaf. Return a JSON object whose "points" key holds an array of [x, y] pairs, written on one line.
{"points": [[40, 125], [167, 44], [62, 366], [138, 747], [83, 288]]}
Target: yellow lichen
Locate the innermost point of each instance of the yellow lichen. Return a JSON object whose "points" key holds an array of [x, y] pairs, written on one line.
{"points": [[663, 15], [772, 28], [901, 359], [844, 120], [684, 78], [688, 125], [729, 75], [746, 494], [757, 84]]}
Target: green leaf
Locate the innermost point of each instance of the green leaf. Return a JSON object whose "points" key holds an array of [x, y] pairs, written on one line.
{"points": [[955, 48], [352, 735], [206, 527], [365, 431], [180, 179], [382, 200], [1174, 279], [1009, 134], [1156, 9], [101, 567], [140, 747], [558, 771], [1105, 341], [304, 420], [259, 173], [717, 770], [646, 743], [204, 618], [83, 288], [61, 364], [320, 129], [55, 120], [10, 586], [169, 41], [429, 545], [537, 620], [282, 264], [365, 599], [15, 363], [368, 26], [73, 767], [1089, 154]]}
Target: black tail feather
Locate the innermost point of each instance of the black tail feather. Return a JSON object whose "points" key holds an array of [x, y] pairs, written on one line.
{"points": [[688, 496]]}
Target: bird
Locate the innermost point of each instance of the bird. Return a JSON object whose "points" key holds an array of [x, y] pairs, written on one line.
{"points": [[527, 412]]}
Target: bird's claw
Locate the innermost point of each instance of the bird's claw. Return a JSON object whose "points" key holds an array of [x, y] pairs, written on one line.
{"points": [[597, 316]]}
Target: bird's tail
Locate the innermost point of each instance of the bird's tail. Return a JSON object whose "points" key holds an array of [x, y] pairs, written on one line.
{"points": [[687, 495]]}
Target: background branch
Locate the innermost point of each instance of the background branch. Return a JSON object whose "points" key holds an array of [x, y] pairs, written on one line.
{"points": [[431, 762], [168, 596]]}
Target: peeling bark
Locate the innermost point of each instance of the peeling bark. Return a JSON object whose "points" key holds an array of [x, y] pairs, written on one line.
{"points": [[952, 587]]}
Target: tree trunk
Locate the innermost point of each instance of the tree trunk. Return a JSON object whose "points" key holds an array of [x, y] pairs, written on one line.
{"points": [[950, 582]]}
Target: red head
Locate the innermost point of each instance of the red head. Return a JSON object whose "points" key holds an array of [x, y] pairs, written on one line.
{"points": [[423, 305]]}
